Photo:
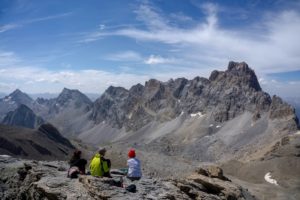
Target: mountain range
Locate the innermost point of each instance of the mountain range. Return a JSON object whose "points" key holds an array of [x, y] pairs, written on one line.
{"points": [[226, 119]]}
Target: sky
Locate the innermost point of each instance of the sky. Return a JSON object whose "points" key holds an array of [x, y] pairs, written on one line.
{"points": [[90, 45]]}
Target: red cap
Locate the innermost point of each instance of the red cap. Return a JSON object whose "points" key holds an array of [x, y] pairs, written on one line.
{"points": [[131, 153]]}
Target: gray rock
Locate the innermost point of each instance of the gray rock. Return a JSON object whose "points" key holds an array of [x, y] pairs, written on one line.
{"points": [[42, 180]]}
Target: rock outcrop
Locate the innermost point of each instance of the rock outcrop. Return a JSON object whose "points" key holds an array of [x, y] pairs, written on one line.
{"points": [[47, 180]]}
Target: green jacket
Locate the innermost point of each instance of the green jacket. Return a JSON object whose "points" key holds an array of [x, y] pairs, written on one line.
{"points": [[98, 166]]}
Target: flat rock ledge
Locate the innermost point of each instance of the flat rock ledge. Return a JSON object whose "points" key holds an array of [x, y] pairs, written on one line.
{"points": [[24, 179]]}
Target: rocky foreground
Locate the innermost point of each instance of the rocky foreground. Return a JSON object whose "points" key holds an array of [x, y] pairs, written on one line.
{"points": [[24, 179]]}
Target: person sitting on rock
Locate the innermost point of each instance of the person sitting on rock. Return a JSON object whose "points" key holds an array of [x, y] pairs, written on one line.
{"points": [[77, 165], [100, 166], [134, 166]]}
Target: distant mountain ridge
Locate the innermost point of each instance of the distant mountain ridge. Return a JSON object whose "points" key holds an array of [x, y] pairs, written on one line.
{"points": [[23, 116], [13, 101]]}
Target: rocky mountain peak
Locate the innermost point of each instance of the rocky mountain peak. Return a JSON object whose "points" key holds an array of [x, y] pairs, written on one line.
{"points": [[67, 95], [237, 74], [116, 91], [238, 66], [246, 75], [19, 97], [17, 91], [152, 83], [137, 89], [23, 116]]}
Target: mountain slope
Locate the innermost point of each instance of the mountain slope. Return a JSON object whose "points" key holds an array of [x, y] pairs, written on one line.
{"points": [[68, 112], [43, 144], [23, 116], [223, 117]]}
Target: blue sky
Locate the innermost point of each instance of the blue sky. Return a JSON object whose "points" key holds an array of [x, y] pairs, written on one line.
{"points": [[90, 45]]}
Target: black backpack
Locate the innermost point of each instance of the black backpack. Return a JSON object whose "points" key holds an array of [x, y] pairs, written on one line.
{"points": [[131, 188]]}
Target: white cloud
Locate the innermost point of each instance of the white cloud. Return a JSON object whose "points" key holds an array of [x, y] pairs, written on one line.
{"points": [[279, 88], [124, 56], [270, 45], [42, 80], [102, 26], [156, 59]]}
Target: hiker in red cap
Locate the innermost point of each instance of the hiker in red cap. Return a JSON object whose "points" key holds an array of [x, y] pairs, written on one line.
{"points": [[134, 166]]}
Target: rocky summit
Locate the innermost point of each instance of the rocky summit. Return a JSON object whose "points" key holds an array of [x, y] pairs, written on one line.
{"points": [[48, 180], [13, 101]]}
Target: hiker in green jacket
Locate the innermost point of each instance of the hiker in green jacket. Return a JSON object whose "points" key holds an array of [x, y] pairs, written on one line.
{"points": [[99, 165]]}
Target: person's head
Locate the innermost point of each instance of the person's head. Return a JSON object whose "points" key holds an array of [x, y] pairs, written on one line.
{"points": [[131, 153], [77, 154], [102, 151]]}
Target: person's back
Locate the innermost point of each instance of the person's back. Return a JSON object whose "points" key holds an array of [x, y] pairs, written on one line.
{"points": [[77, 165], [95, 167], [100, 166], [134, 166]]}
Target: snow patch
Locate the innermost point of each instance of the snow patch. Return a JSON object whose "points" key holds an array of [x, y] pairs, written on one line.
{"points": [[218, 126], [11, 102], [211, 125], [129, 116], [269, 179], [7, 98], [197, 114], [181, 113], [178, 101], [5, 156]]}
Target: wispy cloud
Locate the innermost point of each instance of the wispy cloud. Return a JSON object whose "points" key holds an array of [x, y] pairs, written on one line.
{"points": [[8, 59], [15, 25], [46, 18], [8, 27], [274, 47]]}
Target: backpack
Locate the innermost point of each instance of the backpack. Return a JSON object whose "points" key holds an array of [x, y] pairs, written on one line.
{"points": [[131, 188], [73, 172]]}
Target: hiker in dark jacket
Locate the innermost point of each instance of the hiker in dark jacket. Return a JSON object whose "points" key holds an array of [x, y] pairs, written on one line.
{"points": [[77, 161]]}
